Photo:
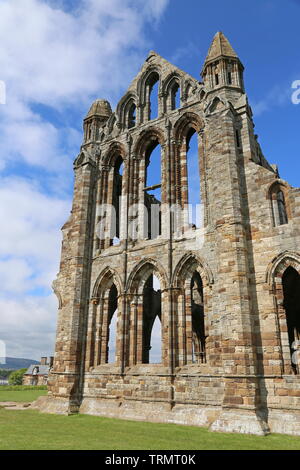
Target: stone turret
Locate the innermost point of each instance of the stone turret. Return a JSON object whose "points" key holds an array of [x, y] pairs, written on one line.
{"points": [[222, 66], [96, 118]]}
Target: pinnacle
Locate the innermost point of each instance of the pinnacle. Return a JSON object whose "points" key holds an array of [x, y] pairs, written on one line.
{"points": [[220, 46], [100, 107]]}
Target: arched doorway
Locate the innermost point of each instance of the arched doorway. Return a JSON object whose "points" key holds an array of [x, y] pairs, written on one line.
{"points": [[291, 303]]}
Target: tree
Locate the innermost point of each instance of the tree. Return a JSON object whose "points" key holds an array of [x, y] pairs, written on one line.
{"points": [[5, 373], [16, 377]]}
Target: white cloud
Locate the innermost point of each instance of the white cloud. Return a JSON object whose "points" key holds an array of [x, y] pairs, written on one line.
{"points": [[30, 220], [14, 275], [28, 327], [56, 56], [277, 96], [29, 260]]}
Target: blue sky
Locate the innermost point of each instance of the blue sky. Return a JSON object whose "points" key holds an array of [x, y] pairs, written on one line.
{"points": [[56, 57]]}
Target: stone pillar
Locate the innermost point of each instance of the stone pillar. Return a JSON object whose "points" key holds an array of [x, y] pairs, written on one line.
{"points": [[91, 334], [241, 396], [133, 330], [181, 328], [104, 329], [66, 378]]}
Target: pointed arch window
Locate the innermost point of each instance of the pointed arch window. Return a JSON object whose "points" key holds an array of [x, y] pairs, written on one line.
{"points": [[279, 208], [152, 102], [192, 311], [117, 200], [147, 344], [151, 346], [193, 180], [131, 118], [198, 326], [103, 327], [152, 190], [111, 332], [175, 96]]}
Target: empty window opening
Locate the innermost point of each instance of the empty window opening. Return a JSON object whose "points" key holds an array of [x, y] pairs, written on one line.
{"points": [[152, 190], [132, 116], [112, 325], [291, 303], [229, 75], [279, 207], [175, 96], [193, 177], [116, 200], [153, 85], [152, 337], [217, 79], [198, 326]]}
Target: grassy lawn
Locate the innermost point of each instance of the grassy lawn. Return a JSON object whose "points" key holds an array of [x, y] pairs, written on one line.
{"points": [[27, 395], [21, 393], [33, 430]]}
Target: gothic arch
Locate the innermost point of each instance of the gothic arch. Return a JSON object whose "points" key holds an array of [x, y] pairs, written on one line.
{"points": [[115, 150], [150, 103], [215, 105], [190, 263], [123, 105], [279, 264], [146, 304], [139, 274], [170, 79], [188, 89], [278, 182], [146, 138], [173, 80], [141, 86], [192, 281], [105, 280], [185, 123], [276, 279], [277, 194], [105, 305]]}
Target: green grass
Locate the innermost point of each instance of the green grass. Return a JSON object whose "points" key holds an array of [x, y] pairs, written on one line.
{"points": [[21, 393], [32, 430], [20, 388]]}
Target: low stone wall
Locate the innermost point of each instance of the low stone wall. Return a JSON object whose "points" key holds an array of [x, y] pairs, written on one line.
{"points": [[150, 393]]}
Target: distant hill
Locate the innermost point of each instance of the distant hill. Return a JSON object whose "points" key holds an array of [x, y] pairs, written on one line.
{"points": [[14, 363]]}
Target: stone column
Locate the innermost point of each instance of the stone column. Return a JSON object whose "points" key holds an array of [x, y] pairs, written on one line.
{"points": [[66, 380], [91, 334], [241, 395]]}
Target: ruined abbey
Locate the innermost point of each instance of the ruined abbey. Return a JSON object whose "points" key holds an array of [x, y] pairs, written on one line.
{"points": [[223, 290]]}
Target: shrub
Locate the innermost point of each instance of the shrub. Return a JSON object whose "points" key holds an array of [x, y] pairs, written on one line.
{"points": [[16, 377]]}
